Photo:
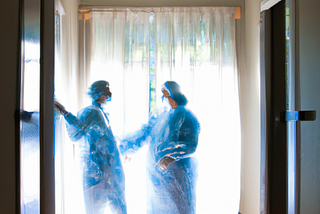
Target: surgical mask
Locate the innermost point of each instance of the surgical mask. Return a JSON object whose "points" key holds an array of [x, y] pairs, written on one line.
{"points": [[165, 102]]}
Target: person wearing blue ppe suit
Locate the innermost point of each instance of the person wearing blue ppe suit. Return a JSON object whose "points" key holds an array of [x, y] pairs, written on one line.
{"points": [[103, 175], [171, 170]]}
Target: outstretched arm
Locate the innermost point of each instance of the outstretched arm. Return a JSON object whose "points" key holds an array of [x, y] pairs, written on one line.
{"points": [[76, 127], [134, 141]]}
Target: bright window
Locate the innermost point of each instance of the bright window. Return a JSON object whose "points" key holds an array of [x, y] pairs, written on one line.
{"points": [[136, 50]]}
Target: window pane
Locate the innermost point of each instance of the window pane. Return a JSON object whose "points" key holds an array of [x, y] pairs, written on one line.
{"points": [[30, 164], [136, 50]]}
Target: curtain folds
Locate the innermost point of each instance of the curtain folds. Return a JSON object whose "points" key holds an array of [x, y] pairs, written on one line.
{"points": [[137, 50]]}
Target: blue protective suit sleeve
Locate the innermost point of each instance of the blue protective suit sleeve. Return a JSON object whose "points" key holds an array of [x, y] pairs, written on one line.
{"points": [[134, 141], [74, 127], [77, 128]]}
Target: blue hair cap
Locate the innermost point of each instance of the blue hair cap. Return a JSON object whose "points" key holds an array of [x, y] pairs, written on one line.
{"points": [[97, 88], [174, 90]]}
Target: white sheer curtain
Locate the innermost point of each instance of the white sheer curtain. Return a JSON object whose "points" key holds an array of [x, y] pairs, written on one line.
{"points": [[196, 48], [68, 82], [116, 48], [192, 46]]}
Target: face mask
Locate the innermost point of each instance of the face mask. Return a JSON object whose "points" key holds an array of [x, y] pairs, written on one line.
{"points": [[165, 102]]}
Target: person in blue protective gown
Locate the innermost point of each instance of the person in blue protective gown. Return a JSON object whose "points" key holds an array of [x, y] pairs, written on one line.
{"points": [[171, 170], [103, 175]]}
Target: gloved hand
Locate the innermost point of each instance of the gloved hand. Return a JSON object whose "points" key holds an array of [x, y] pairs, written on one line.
{"points": [[60, 108], [25, 115], [165, 162]]}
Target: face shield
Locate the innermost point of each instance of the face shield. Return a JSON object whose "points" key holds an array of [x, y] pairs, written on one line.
{"points": [[165, 102], [165, 98]]}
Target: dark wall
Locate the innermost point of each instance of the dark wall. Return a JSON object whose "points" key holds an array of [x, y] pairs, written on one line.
{"points": [[9, 64], [309, 49]]}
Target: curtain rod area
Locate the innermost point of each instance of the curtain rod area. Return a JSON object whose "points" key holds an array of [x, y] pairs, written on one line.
{"points": [[100, 8], [165, 3]]}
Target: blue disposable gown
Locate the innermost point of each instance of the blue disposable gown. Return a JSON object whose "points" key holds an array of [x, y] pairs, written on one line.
{"points": [[173, 138], [103, 175]]}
